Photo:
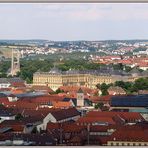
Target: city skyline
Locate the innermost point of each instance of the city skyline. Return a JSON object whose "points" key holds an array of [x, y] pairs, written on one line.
{"points": [[74, 21]]}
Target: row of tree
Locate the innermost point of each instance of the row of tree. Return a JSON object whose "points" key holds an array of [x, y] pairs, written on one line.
{"points": [[29, 67], [129, 87]]}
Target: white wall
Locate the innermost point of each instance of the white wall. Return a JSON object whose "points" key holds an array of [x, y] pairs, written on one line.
{"points": [[4, 85]]}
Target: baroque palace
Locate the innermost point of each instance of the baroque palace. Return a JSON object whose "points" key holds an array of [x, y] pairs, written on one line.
{"points": [[56, 78]]}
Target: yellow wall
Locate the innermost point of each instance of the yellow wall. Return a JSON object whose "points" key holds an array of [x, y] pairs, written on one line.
{"points": [[56, 80], [126, 143]]}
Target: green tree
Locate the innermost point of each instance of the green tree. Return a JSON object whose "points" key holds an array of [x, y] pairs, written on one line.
{"points": [[120, 84], [118, 66], [99, 105], [18, 116], [104, 92], [127, 68], [3, 75], [141, 83], [104, 87], [59, 91]]}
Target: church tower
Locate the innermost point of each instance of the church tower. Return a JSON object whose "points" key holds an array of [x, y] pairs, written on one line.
{"points": [[15, 62], [80, 98]]}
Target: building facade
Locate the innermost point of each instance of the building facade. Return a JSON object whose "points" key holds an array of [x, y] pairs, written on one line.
{"points": [[127, 143], [55, 78]]}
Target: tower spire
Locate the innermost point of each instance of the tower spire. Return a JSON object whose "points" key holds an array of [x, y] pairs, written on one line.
{"points": [[15, 62]]}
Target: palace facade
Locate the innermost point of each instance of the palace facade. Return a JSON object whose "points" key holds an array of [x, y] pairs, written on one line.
{"points": [[55, 78]]}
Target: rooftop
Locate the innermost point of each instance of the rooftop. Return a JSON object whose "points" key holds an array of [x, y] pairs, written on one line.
{"points": [[130, 101], [65, 113]]}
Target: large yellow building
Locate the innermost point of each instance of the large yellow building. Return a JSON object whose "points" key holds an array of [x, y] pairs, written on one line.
{"points": [[55, 78]]}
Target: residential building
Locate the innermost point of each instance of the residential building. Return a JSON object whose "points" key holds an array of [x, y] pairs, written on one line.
{"points": [[128, 136], [116, 90]]}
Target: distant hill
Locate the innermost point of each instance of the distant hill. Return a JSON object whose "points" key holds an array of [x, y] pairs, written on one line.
{"points": [[23, 42], [42, 41], [126, 41]]}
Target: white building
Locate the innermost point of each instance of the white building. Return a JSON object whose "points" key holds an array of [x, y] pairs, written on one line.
{"points": [[59, 116], [80, 98], [4, 83]]}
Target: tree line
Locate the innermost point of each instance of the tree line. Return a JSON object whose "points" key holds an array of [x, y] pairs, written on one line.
{"points": [[29, 67], [129, 87]]}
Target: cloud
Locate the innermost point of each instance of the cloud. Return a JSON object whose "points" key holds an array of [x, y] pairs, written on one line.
{"points": [[73, 21], [77, 12], [94, 12], [111, 12]]}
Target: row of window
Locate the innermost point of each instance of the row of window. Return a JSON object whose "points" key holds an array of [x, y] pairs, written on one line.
{"points": [[129, 144], [76, 79], [47, 80]]}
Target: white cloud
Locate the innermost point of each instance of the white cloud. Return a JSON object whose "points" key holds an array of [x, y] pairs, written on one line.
{"points": [[76, 12], [94, 12]]}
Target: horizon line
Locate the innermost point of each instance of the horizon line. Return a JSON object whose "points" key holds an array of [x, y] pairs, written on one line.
{"points": [[71, 40]]}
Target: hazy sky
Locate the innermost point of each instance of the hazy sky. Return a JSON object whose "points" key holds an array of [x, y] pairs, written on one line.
{"points": [[74, 21]]}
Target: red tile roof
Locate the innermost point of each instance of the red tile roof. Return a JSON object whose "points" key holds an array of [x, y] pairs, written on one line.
{"points": [[116, 90], [46, 99], [61, 104], [17, 126], [125, 61], [5, 89], [129, 133], [21, 104], [127, 116], [73, 127], [92, 120], [39, 112], [4, 100], [62, 94], [104, 99], [18, 91], [17, 84], [42, 88], [74, 89], [51, 126], [131, 116], [65, 113], [98, 128], [143, 64]]}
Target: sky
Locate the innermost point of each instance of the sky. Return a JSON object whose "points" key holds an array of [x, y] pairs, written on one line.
{"points": [[65, 22]]}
